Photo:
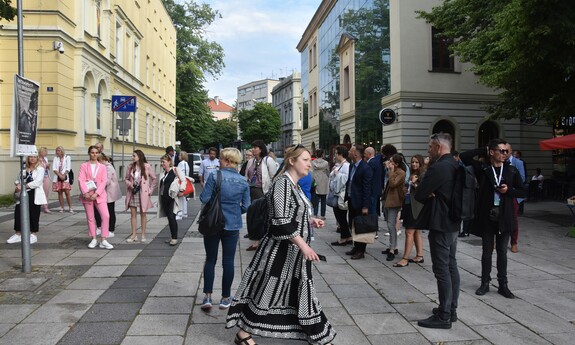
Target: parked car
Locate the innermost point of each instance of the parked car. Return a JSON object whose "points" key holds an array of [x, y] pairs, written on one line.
{"points": [[195, 167]]}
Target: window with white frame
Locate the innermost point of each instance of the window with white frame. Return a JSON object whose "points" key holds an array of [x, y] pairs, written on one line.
{"points": [[136, 69], [119, 42], [147, 128]]}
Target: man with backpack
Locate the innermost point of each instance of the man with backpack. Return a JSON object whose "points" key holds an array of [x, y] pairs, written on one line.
{"points": [[499, 184], [435, 192]]}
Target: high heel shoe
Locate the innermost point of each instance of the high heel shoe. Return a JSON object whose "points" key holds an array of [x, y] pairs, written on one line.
{"points": [[132, 239]]}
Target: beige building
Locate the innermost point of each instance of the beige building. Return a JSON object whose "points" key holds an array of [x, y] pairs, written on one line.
{"points": [[354, 65], [83, 52]]}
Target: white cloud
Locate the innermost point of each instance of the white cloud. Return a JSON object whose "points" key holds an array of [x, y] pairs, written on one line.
{"points": [[259, 40]]}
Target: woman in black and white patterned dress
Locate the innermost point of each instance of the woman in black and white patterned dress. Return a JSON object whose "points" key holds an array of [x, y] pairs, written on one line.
{"points": [[276, 297]]}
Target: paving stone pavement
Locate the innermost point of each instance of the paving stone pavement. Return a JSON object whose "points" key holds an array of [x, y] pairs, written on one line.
{"points": [[150, 293]]}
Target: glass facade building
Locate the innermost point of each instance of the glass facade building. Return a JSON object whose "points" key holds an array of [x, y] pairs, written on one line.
{"points": [[367, 23]]}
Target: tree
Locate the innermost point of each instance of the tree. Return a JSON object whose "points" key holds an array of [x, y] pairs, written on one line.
{"points": [[6, 11], [224, 133], [262, 122], [523, 48], [195, 57]]}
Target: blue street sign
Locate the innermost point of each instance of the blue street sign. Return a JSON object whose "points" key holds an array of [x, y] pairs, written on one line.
{"points": [[124, 103]]}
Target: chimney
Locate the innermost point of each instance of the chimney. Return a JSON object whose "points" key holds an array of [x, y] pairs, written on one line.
{"points": [[217, 100]]}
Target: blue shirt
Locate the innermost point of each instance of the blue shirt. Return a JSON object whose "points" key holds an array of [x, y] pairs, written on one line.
{"points": [[305, 184], [234, 196]]}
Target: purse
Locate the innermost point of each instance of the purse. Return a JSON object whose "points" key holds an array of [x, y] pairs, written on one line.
{"points": [[331, 199], [341, 203], [189, 185], [365, 223], [211, 220]]}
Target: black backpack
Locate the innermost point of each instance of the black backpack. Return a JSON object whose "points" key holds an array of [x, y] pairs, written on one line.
{"points": [[464, 194], [257, 219]]}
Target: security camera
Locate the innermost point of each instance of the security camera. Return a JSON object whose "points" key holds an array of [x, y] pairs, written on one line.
{"points": [[59, 46]]}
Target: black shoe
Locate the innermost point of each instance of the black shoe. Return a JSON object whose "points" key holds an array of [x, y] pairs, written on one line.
{"points": [[463, 234], [504, 291], [435, 321], [483, 289], [390, 257], [351, 252], [246, 236], [358, 255], [453, 317], [338, 243], [396, 251]]}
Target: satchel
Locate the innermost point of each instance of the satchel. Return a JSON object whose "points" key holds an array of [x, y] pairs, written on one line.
{"points": [[365, 224], [211, 221], [71, 177], [368, 237], [332, 199]]}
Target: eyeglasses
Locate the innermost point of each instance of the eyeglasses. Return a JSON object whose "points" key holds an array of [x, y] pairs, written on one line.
{"points": [[502, 151]]}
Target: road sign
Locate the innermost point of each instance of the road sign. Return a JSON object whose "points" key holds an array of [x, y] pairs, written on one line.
{"points": [[124, 103]]}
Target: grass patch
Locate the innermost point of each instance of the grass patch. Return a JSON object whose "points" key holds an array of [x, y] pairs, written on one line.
{"points": [[7, 200]]}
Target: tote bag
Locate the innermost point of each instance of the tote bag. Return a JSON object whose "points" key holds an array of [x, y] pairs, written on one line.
{"points": [[211, 221]]}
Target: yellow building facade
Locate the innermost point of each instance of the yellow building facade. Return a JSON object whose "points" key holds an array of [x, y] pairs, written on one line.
{"points": [[82, 52]]}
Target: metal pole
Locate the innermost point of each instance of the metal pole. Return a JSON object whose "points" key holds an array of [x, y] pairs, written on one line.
{"points": [[123, 143], [112, 136], [134, 134], [24, 211]]}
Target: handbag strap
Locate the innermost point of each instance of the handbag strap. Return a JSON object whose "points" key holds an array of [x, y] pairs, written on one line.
{"points": [[218, 184]]}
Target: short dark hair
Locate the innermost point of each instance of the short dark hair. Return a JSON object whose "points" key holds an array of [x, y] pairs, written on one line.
{"points": [[388, 150], [319, 153], [213, 149], [342, 150], [494, 143], [360, 149], [169, 149]]}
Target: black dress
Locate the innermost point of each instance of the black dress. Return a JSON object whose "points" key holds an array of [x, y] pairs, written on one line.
{"points": [[276, 297]]}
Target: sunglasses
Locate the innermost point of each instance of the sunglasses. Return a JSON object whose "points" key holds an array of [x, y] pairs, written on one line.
{"points": [[298, 146], [502, 151]]}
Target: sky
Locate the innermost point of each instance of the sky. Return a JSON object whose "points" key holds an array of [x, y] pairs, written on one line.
{"points": [[259, 38]]}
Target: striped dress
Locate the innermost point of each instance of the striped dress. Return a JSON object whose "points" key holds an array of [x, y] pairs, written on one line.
{"points": [[276, 297]]}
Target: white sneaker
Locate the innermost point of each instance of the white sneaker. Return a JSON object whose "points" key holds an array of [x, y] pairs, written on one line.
{"points": [[14, 239], [386, 234], [110, 234], [33, 238], [93, 244], [98, 231], [398, 232], [312, 238], [105, 244], [178, 217]]}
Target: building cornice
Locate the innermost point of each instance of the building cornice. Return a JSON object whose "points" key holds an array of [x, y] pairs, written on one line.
{"points": [[444, 97]]}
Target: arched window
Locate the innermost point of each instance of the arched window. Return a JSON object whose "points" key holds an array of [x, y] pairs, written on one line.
{"points": [[99, 108], [445, 126], [487, 131], [347, 140]]}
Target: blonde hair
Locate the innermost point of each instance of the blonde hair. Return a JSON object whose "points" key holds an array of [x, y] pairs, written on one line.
{"points": [[167, 158], [184, 155], [43, 149], [29, 165], [292, 154], [232, 155]]}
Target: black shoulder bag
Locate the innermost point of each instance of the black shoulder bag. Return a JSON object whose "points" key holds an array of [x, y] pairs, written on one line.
{"points": [[211, 221]]}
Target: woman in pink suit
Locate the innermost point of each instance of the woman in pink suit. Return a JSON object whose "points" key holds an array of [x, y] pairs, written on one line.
{"points": [[92, 181], [140, 182]]}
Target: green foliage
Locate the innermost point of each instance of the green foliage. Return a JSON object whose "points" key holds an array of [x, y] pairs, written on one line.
{"points": [[6, 11], [262, 122], [524, 48], [195, 57], [7, 200], [224, 133]]}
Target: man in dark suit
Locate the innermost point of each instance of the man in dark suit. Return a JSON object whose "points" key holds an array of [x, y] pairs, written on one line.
{"points": [[358, 193], [434, 192], [377, 178], [172, 153]]}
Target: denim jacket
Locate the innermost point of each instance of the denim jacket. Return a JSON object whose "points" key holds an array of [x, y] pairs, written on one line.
{"points": [[234, 196]]}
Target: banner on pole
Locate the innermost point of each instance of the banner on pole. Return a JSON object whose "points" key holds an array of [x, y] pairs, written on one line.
{"points": [[24, 117]]}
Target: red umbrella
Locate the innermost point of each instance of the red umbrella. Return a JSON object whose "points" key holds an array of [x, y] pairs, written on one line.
{"points": [[564, 142]]}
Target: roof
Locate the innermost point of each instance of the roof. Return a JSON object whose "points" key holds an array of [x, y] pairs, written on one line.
{"points": [[219, 106]]}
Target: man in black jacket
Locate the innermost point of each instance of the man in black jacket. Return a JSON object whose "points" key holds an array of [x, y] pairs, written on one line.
{"points": [[434, 192], [499, 184]]}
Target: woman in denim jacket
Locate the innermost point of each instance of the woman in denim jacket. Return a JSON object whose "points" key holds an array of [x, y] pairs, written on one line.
{"points": [[235, 200]]}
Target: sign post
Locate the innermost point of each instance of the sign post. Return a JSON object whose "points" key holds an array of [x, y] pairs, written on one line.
{"points": [[124, 105]]}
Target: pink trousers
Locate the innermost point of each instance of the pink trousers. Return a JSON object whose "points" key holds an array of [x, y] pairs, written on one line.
{"points": [[103, 211]]}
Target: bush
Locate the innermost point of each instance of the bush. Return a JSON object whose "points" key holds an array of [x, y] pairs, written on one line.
{"points": [[7, 200]]}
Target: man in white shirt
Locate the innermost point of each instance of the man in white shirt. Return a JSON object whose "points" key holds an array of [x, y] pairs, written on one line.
{"points": [[209, 165]]}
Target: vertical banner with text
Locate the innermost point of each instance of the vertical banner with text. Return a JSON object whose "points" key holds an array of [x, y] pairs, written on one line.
{"points": [[24, 117]]}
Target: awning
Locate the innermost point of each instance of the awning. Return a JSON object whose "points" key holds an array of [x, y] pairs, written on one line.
{"points": [[564, 142]]}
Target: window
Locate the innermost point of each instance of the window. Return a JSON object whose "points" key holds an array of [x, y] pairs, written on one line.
{"points": [[147, 71], [136, 67], [346, 83], [99, 18], [147, 128], [119, 42], [98, 108], [154, 77], [442, 61]]}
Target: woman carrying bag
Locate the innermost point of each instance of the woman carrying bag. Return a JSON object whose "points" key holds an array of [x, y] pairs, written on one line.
{"points": [[169, 191]]}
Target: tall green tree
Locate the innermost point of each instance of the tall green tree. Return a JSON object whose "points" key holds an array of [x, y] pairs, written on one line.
{"points": [[6, 10], [224, 133], [523, 48], [195, 58], [262, 122]]}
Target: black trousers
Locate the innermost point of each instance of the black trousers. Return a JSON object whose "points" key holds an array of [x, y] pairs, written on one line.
{"points": [[341, 217], [168, 207], [34, 212], [501, 241], [354, 212], [111, 212], [443, 246]]}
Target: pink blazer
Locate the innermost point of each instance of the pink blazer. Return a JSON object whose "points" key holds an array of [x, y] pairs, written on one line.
{"points": [[101, 179], [146, 187]]}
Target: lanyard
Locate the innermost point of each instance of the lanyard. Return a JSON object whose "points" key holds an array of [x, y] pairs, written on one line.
{"points": [[497, 179]]}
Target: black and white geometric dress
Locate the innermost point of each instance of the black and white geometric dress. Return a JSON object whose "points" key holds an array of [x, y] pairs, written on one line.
{"points": [[276, 297]]}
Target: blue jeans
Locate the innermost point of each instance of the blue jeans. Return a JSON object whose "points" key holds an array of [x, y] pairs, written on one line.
{"points": [[229, 241]]}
